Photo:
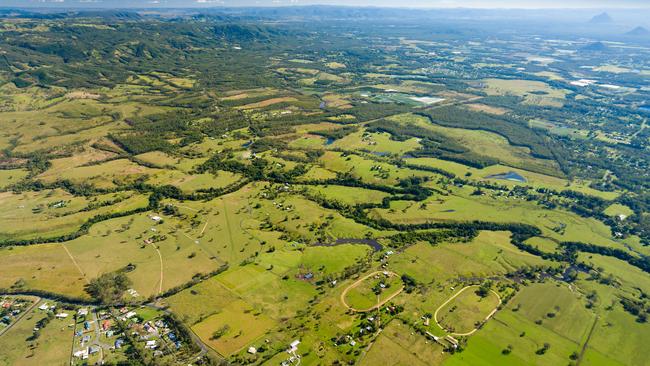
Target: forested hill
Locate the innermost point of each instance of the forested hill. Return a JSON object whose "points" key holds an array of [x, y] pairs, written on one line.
{"points": [[75, 56]]}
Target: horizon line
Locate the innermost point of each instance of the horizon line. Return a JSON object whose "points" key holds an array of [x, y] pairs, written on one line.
{"points": [[197, 5]]}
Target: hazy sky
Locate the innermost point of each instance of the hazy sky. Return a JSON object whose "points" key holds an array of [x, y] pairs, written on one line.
{"points": [[389, 3]]}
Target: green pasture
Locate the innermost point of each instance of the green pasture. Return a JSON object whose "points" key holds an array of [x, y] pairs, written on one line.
{"points": [[51, 348], [10, 177], [462, 206], [50, 213], [485, 143], [398, 345], [488, 254], [243, 324], [466, 311], [378, 143], [361, 295], [348, 195]]}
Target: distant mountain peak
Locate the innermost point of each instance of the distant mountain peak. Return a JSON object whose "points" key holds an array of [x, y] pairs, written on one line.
{"points": [[638, 31], [601, 19]]}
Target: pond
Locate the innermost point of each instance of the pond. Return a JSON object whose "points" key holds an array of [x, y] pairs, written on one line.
{"points": [[511, 176], [330, 140]]}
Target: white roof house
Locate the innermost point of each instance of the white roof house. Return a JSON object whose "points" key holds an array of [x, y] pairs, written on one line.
{"points": [[294, 346]]}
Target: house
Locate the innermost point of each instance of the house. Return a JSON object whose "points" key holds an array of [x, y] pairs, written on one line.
{"points": [[118, 343], [43, 307], [86, 325], [130, 314], [252, 350], [82, 354], [61, 315], [294, 346], [106, 324], [452, 340], [156, 218], [82, 312], [92, 350], [150, 344]]}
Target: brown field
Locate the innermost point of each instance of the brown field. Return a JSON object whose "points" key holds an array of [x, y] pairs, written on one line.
{"points": [[268, 102], [477, 107]]}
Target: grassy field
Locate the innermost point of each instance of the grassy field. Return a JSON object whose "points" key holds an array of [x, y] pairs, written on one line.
{"points": [[366, 169], [69, 121], [104, 175], [617, 209], [109, 246], [372, 291], [52, 347], [629, 276], [397, 345], [49, 213], [533, 92], [516, 326], [239, 324], [194, 182], [9, 177], [489, 254], [466, 311], [461, 206], [267, 292], [46, 267], [348, 195], [377, 143], [485, 143]]}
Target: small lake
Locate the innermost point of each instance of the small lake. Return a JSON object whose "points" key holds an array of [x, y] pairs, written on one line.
{"points": [[330, 140], [511, 176], [379, 153]]}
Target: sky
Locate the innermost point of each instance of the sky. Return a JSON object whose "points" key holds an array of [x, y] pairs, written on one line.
{"points": [[524, 4]]}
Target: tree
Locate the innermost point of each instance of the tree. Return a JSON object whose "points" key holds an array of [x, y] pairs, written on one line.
{"points": [[109, 287], [543, 350], [484, 289], [220, 332]]}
